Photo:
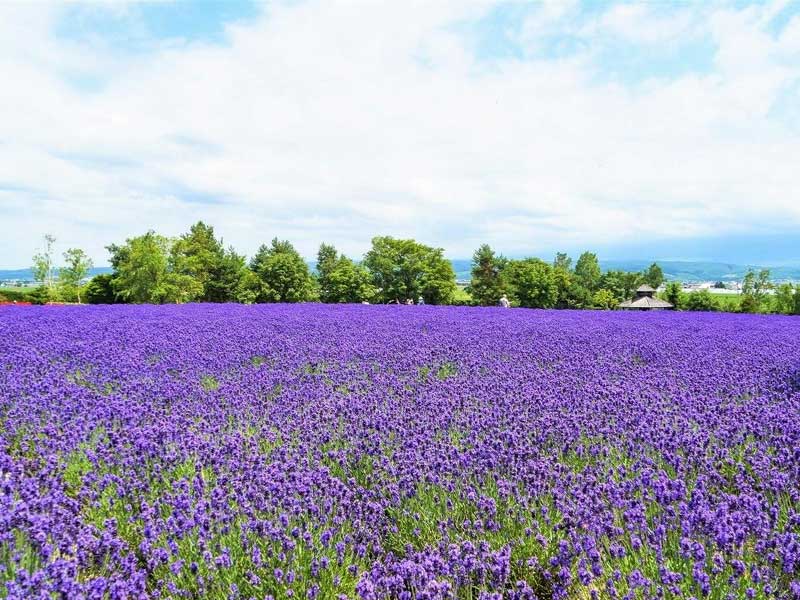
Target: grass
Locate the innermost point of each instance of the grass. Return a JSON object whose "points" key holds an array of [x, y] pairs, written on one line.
{"points": [[462, 296]]}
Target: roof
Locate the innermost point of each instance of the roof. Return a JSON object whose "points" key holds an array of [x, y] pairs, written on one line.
{"points": [[645, 302], [645, 288]]}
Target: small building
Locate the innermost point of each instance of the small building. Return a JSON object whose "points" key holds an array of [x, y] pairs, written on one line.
{"points": [[645, 300]]}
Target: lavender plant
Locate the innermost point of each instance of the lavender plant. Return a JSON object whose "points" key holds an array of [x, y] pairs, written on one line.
{"points": [[370, 452]]}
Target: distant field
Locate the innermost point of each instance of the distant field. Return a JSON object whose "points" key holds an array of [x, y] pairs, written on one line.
{"points": [[728, 302], [403, 452]]}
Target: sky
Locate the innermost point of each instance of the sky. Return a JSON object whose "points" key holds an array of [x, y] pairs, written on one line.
{"points": [[640, 129]]}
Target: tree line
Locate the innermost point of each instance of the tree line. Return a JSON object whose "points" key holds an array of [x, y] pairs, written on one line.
{"points": [[198, 267]]}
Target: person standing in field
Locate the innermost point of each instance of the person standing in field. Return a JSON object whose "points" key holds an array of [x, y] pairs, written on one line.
{"points": [[504, 301], [420, 301]]}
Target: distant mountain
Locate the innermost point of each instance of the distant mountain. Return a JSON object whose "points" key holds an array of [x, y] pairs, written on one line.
{"points": [[673, 270]]}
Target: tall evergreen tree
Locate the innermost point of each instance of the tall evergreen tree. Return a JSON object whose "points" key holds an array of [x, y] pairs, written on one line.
{"points": [[200, 255], [653, 276], [487, 285]]}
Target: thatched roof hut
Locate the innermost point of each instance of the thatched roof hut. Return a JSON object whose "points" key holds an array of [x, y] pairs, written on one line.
{"points": [[645, 300]]}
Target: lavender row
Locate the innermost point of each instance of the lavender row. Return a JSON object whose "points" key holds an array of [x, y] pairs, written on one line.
{"points": [[368, 452]]}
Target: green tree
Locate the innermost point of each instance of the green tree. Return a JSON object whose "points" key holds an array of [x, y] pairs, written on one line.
{"points": [[406, 269], [784, 300], [622, 284], [142, 272], [140, 264], [587, 271], [43, 263], [283, 274], [796, 310], [533, 283], [653, 276], [349, 282], [249, 287], [77, 266], [571, 294], [100, 290], [701, 300], [488, 282], [200, 255], [327, 256], [562, 261], [673, 294], [340, 279], [177, 288], [755, 287], [605, 300]]}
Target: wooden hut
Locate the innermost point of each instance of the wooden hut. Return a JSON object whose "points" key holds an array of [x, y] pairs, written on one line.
{"points": [[644, 300]]}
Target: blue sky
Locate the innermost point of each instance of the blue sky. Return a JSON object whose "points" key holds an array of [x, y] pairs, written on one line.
{"points": [[654, 130]]}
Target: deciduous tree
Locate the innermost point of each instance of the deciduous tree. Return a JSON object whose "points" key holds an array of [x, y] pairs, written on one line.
{"points": [[533, 283], [340, 279], [406, 269], [283, 274], [77, 266], [587, 271], [43, 262]]}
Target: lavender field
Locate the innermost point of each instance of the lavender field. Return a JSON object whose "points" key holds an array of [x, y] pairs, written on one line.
{"points": [[397, 452]]}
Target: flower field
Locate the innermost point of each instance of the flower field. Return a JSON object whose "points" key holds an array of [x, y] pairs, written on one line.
{"points": [[369, 452]]}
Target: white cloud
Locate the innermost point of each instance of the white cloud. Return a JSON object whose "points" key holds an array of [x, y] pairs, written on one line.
{"points": [[337, 121]]}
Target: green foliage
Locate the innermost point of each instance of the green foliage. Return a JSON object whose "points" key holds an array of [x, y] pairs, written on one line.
{"points": [[784, 299], [488, 281], [43, 262], [100, 290], [533, 283], [340, 279], [143, 274], [72, 273], [622, 284], [653, 276], [43, 294], [199, 255], [562, 261], [605, 300], [406, 269], [283, 274], [587, 271], [248, 288], [17, 294], [701, 300], [462, 297], [796, 308], [326, 260], [176, 288], [673, 294], [755, 287]]}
